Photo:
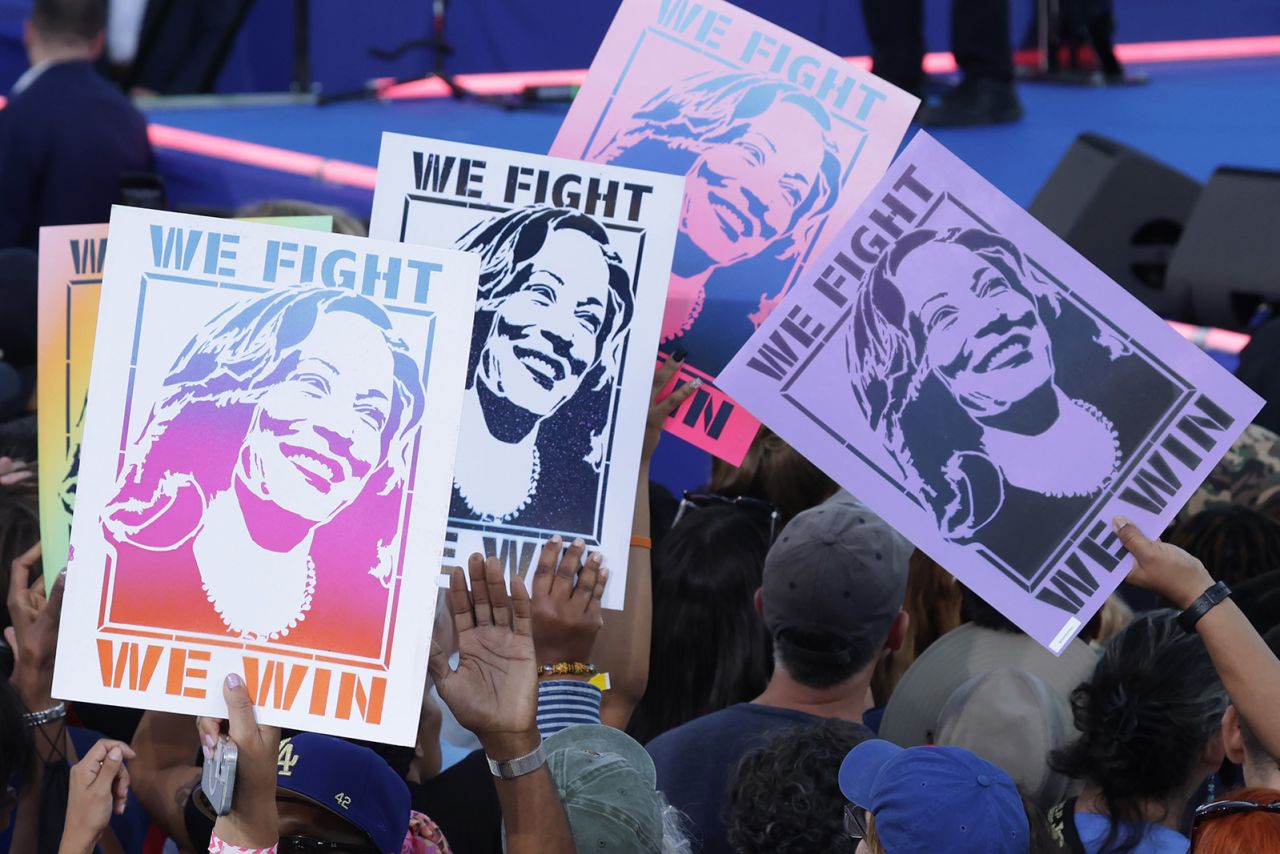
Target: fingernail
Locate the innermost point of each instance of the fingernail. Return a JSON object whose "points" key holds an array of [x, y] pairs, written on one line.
{"points": [[208, 741], [233, 681], [595, 557], [114, 754], [579, 543], [557, 539], [604, 575], [679, 354], [208, 754], [1118, 523], [697, 383]]}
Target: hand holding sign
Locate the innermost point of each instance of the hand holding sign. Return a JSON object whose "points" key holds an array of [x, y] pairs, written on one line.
{"points": [[493, 692], [34, 633], [1162, 568], [253, 819]]}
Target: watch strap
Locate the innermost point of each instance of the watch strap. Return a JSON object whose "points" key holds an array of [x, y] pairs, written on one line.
{"points": [[1207, 601], [509, 769]]}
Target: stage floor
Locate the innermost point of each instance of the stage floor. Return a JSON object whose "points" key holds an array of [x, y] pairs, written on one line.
{"points": [[1194, 116]]}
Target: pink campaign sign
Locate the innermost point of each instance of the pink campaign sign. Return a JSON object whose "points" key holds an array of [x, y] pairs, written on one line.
{"points": [[777, 138], [989, 392]]}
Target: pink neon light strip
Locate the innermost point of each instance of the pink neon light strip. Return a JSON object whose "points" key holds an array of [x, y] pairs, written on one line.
{"points": [[364, 177], [509, 83], [1212, 338]]}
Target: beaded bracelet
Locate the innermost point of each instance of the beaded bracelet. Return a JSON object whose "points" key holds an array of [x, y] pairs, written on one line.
{"points": [[567, 668]]}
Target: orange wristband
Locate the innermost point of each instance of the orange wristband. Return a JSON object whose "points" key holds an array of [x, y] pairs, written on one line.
{"points": [[639, 542]]}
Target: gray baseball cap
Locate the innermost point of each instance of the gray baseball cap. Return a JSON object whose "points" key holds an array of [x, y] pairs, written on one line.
{"points": [[837, 570], [1013, 719], [608, 785]]}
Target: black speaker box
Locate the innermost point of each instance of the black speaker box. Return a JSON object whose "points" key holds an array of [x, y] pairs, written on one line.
{"points": [[1124, 212], [1229, 257]]}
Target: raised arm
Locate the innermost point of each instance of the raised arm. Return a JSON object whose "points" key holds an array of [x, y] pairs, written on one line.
{"points": [[1247, 667], [494, 693], [165, 772], [622, 649]]}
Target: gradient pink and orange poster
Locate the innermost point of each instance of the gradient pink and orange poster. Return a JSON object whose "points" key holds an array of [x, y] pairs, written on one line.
{"points": [[779, 142], [70, 276], [265, 472]]}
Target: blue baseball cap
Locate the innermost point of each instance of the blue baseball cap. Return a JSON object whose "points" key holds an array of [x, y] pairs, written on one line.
{"points": [[349, 781], [930, 799]]}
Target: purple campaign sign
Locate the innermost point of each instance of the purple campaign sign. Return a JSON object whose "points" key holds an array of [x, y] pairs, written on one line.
{"points": [[989, 392]]}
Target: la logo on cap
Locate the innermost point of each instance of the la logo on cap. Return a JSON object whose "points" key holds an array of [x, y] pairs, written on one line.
{"points": [[286, 760]]}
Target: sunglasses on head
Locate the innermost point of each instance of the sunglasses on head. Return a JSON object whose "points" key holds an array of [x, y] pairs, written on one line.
{"points": [[698, 500], [1218, 809], [855, 821], [307, 845]]}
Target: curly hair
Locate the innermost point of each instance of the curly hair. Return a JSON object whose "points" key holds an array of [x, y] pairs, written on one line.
{"points": [[1236, 543], [785, 797], [505, 245], [1144, 716], [885, 352]]}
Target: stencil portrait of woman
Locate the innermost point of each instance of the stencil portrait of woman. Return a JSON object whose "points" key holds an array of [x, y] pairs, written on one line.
{"points": [[1000, 403], [762, 169], [269, 478], [554, 308]]}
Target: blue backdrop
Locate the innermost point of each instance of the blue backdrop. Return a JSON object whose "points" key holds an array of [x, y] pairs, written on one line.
{"points": [[510, 35]]}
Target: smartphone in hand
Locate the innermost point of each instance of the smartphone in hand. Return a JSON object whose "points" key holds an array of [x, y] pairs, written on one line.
{"points": [[219, 781]]}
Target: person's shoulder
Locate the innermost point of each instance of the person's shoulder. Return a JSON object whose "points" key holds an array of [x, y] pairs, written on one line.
{"points": [[733, 724]]}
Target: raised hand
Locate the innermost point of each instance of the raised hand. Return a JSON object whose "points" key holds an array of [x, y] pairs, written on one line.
{"points": [[1162, 568], [566, 602], [14, 472], [494, 691], [34, 633], [661, 406], [253, 822], [99, 787]]}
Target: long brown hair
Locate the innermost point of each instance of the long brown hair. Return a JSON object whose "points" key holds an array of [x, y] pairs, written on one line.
{"points": [[774, 471]]}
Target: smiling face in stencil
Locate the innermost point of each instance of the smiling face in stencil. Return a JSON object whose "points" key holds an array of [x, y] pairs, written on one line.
{"points": [[318, 434], [742, 193], [546, 335], [985, 339]]}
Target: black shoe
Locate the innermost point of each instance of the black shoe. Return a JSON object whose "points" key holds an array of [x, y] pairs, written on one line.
{"points": [[974, 102]]}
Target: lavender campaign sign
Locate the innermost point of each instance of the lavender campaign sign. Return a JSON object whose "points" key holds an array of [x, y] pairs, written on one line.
{"points": [[989, 392], [776, 137]]}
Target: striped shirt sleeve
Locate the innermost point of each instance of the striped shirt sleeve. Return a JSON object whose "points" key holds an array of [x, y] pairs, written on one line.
{"points": [[562, 703]]}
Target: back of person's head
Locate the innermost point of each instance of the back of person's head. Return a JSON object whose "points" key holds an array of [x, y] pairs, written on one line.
{"points": [[1255, 754], [608, 786], [16, 753], [833, 588], [1145, 718], [930, 799], [343, 222], [352, 782], [1231, 826], [709, 647], [974, 609], [785, 798], [775, 472], [68, 23], [1235, 543], [1014, 720]]}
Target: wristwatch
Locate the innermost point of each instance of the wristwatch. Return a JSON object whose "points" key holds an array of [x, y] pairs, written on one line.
{"points": [[1203, 605], [509, 769]]}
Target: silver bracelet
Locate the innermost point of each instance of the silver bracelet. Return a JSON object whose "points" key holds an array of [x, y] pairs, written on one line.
{"points": [[48, 716], [509, 769]]}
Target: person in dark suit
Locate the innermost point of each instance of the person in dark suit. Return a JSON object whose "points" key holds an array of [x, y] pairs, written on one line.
{"points": [[981, 45], [67, 135]]}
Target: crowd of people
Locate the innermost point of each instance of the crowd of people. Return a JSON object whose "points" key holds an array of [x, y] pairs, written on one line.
{"points": [[789, 674]]}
